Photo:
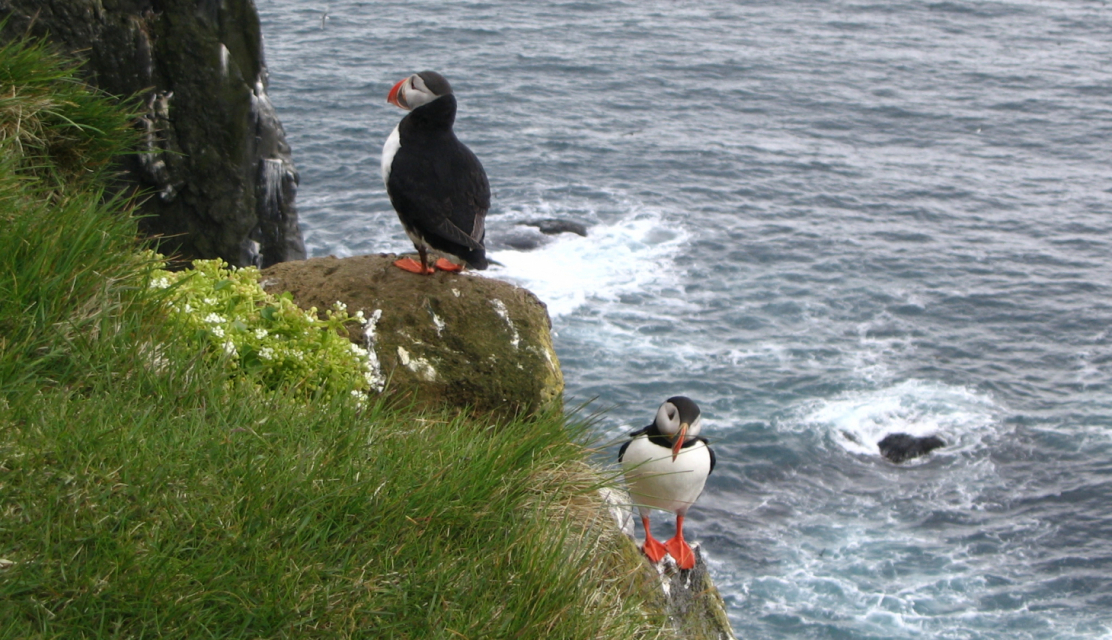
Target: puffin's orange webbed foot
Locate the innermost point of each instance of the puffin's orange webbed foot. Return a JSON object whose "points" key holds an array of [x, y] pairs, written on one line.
{"points": [[681, 553], [679, 549], [447, 265], [654, 549], [412, 266], [652, 546]]}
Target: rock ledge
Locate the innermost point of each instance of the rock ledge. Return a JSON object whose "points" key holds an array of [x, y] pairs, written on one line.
{"points": [[447, 339]]}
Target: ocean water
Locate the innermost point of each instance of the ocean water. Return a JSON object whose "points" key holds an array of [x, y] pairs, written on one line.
{"points": [[823, 221]]}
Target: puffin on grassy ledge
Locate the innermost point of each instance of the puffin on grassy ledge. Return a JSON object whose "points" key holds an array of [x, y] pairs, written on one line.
{"points": [[435, 183], [666, 465]]}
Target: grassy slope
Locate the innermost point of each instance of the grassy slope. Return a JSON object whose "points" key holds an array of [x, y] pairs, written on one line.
{"points": [[142, 495]]}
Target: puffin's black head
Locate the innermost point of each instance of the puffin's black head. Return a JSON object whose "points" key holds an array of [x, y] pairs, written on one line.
{"points": [[418, 89], [679, 417]]}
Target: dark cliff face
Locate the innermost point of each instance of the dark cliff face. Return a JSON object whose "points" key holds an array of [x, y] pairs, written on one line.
{"points": [[214, 158]]}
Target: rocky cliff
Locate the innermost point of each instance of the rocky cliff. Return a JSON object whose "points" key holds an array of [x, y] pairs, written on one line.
{"points": [[214, 156]]}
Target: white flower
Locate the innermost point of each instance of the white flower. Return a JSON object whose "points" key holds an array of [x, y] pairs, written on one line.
{"points": [[230, 348], [214, 318], [188, 308], [340, 306], [266, 353], [218, 332], [160, 282], [261, 333]]}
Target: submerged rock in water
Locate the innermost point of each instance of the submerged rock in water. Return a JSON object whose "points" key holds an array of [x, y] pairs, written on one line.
{"points": [[534, 234], [554, 226], [520, 240], [898, 447], [446, 339]]}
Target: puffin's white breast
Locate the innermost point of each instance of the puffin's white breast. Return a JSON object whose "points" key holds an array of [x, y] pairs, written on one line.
{"points": [[656, 481], [393, 143]]}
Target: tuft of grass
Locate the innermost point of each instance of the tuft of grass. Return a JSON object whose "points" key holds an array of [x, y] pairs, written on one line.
{"points": [[63, 284], [63, 131], [67, 248], [145, 493]]}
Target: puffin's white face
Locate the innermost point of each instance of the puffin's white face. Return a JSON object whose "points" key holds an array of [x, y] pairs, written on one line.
{"points": [[411, 93], [677, 413]]}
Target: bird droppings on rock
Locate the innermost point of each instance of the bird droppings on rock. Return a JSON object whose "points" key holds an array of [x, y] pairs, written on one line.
{"points": [[617, 502], [419, 366], [500, 309], [375, 379], [437, 321]]}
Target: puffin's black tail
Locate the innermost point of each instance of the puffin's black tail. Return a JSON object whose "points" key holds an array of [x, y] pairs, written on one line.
{"points": [[476, 259]]}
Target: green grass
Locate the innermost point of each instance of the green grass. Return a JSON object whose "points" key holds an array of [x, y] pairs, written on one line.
{"points": [[215, 513], [145, 494]]}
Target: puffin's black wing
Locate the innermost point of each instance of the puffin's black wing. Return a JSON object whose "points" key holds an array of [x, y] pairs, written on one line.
{"points": [[442, 193], [713, 460], [639, 432], [470, 203]]}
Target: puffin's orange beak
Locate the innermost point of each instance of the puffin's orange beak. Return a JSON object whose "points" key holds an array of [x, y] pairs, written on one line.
{"points": [[392, 97], [679, 441]]}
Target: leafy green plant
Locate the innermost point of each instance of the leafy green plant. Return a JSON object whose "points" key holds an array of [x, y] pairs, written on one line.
{"points": [[265, 337]]}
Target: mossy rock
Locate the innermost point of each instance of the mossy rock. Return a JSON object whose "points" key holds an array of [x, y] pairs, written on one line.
{"points": [[445, 339], [693, 603], [687, 602]]}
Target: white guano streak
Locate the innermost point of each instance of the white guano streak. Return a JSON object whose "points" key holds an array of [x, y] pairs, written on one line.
{"points": [[504, 313]]}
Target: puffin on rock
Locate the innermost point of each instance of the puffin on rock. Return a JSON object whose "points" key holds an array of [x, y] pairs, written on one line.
{"points": [[666, 465], [437, 186]]}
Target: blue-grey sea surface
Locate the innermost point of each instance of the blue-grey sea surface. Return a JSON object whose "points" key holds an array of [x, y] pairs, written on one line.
{"points": [[825, 221]]}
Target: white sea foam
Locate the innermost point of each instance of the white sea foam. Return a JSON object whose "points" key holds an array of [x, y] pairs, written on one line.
{"points": [[858, 420], [634, 254]]}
